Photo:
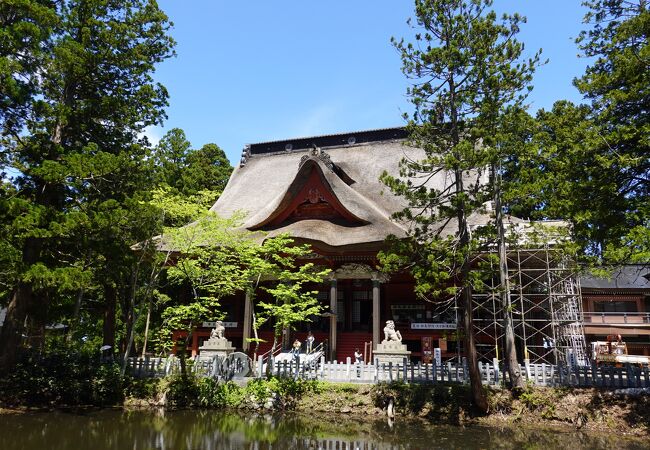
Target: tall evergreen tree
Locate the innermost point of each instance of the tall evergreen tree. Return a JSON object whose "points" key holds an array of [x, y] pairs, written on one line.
{"points": [[618, 86], [25, 29], [170, 154], [206, 168], [467, 70], [589, 163], [190, 171], [80, 158]]}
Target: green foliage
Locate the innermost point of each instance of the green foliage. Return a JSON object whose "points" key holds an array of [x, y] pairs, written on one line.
{"points": [[588, 164], [292, 304], [189, 171], [182, 390], [540, 399], [344, 388], [468, 72], [80, 168], [107, 385], [448, 402], [192, 391], [261, 389], [216, 258], [566, 175], [209, 262], [532, 398], [63, 377], [142, 388], [500, 401], [25, 28], [170, 155], [618, 85], [220, 395], [206, 168], [286, 390]]}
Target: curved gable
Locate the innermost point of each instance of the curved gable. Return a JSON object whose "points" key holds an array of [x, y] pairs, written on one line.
{"points": [[310, 196]]}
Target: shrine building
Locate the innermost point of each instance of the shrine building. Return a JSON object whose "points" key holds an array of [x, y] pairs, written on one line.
{"points": [[325, 191]]}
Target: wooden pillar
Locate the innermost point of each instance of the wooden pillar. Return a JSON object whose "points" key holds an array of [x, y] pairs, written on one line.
{"points": [[248, 318], [333, 318], [375, 313]]}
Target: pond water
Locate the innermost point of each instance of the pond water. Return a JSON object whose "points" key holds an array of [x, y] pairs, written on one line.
{"points": [[213, 430]]}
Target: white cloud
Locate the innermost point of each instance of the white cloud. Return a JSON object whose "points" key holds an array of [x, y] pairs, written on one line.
{"points": [[153, 134]]}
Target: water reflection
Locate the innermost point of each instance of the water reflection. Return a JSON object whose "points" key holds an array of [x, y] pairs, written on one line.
{"points": [[212, 430]]}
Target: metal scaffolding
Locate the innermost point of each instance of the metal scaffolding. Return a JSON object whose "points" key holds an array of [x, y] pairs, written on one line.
{"points": [[546, 308]]}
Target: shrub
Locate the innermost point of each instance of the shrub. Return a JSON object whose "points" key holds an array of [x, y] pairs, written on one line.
{"points": [[107, 385], [143, 388], [213, 394], [61, 377], [286, 391], [182, 391], [532, 398], [447, 402]]}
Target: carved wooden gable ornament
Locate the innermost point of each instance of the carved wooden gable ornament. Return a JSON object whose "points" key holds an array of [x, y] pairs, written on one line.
{"points": [[311, 197]]}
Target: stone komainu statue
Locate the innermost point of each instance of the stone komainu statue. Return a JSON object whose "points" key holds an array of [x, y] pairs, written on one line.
{"points": [[390, 333], [218, 332]]}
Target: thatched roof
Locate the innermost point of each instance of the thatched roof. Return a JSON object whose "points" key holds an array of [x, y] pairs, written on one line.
{"points": [[349, 165]]}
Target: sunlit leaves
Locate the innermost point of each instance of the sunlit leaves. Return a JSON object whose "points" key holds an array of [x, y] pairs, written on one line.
{"points": [[217, 258]]}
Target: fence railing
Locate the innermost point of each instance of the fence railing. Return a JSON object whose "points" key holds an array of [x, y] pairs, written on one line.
{"points": [[153, 367], [616, 318], [628, 376]]}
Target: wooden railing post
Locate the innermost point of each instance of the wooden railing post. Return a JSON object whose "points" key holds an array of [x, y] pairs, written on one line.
{"points": [[347, 371]]}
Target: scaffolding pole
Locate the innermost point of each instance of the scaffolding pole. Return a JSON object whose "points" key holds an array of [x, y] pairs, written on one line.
{"points": [[547, 309]]}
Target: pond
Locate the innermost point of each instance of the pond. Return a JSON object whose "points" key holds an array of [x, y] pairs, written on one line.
{"points": [[214, 430]]}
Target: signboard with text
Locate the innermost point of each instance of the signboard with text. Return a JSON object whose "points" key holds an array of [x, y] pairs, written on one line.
{"points": [[433, 326], [225, 324]]}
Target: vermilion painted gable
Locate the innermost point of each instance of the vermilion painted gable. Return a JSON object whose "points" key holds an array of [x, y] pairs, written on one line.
{"points": [[314, 200]]}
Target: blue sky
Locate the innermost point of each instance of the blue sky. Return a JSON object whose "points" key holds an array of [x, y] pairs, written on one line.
{"points": [[253, 71]]}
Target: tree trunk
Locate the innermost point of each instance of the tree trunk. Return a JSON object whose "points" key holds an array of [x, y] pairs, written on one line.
{"points": [[14, 326], [510, 356], [182, 351], [128, 340], [74, 323], [146, 329], [478, 394], [22, 301], [110, 303], [271, 360], [75, 315]]}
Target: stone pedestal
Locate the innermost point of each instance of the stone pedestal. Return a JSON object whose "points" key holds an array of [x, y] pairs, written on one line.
{"points": [[391, 352], [216, 347]]}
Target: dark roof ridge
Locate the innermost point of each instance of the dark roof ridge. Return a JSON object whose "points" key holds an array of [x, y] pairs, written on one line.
{"points": [[328, 140]]}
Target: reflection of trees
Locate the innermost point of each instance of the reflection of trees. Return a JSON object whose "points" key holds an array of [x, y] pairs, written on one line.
{"points": [[217, 430]]}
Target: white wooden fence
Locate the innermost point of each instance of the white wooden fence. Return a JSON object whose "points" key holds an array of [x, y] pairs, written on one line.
{"points": [[152, 367], [538, 374]]}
